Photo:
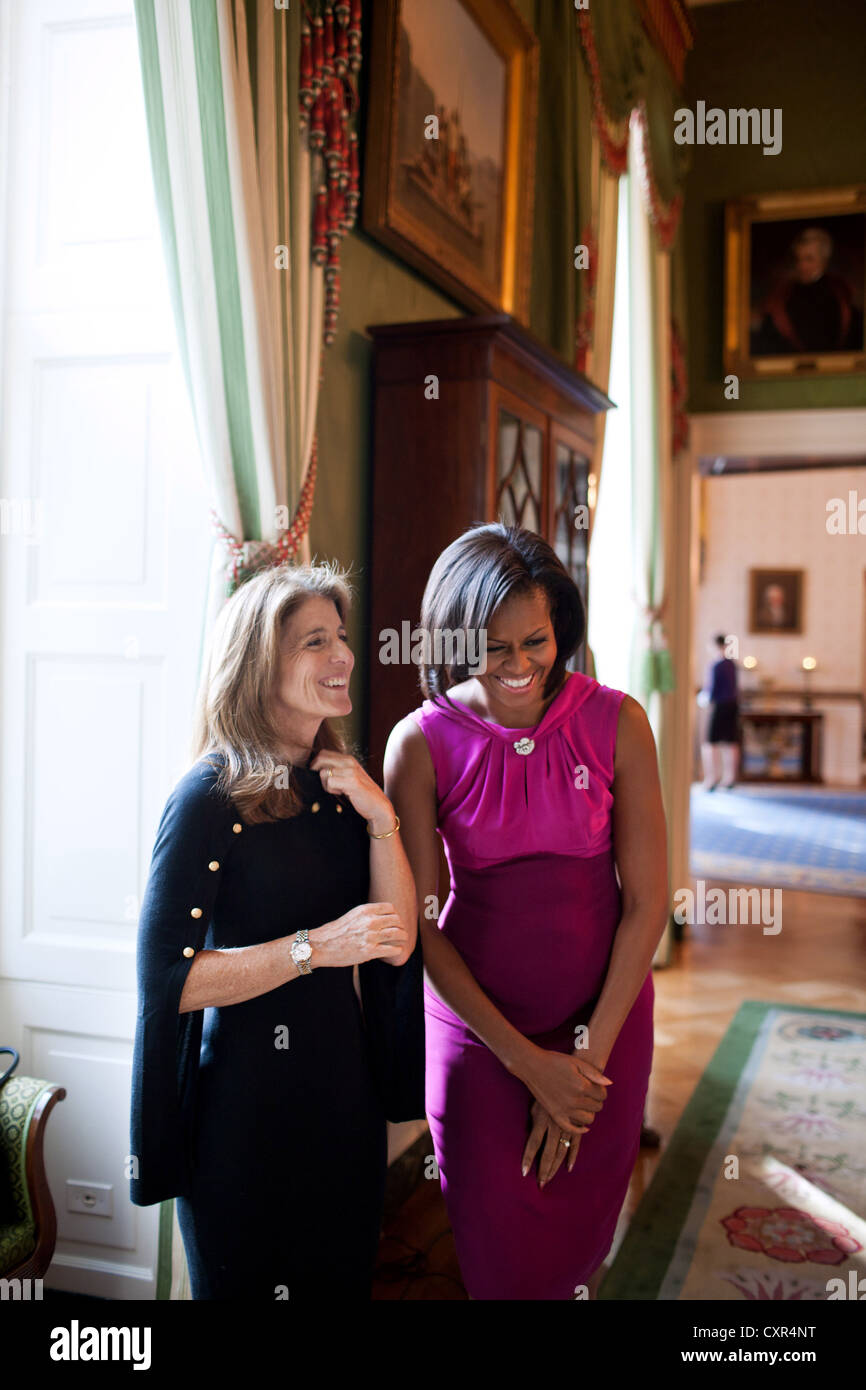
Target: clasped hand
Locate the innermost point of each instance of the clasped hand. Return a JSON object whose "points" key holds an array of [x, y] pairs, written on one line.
{"points": [[569, 1092]]}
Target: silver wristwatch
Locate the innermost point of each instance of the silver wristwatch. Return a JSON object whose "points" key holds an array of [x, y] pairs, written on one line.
{"points": [[301, 950]]}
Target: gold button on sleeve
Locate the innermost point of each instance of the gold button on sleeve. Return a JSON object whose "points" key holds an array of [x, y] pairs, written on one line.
{"points": [[237, 827], [196, 912], [315, 806], [214, 865], [188, 951], [339, 808]]}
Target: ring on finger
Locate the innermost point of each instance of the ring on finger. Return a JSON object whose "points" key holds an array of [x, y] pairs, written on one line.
{"points": [[564, 1141]]}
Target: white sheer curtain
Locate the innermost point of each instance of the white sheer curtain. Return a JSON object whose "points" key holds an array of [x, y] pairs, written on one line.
{"points": [[627, 553], [628, 548], [612, 612]]}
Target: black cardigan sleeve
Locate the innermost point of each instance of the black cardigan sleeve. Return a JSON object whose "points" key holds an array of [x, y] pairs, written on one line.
{"points": [[192, 844]]}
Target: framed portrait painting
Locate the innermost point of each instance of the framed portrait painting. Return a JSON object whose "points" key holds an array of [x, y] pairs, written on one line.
{"points": [[449, 153], [776, 601], [795, 283]]}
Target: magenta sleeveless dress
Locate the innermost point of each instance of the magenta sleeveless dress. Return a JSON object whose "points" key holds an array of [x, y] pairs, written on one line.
{"points": [[533, 910]]}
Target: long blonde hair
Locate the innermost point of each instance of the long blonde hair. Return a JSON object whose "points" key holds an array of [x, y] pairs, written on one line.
{"points": [[234, 713]]}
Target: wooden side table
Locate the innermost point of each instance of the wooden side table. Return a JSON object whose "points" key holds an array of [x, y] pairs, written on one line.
{"points": [[771, 729]]}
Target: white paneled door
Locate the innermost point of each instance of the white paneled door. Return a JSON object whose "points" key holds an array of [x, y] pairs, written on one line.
{"points": [[104, 554]]}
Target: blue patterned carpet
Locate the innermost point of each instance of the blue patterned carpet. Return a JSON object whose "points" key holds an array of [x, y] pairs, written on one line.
{"points": [[782, 837]]}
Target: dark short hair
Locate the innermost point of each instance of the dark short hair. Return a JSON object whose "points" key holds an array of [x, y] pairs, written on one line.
{"points": [[476, 574], [720, 639]]}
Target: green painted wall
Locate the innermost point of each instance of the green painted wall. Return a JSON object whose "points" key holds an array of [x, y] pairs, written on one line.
{"points": [[376, 287], [808, 58]]}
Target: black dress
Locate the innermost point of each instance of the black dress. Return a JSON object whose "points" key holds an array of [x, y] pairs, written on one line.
{"points": [[274, 1136]]}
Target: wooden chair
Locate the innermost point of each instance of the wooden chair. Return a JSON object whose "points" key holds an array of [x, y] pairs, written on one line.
{"points": [[28, 1221]]}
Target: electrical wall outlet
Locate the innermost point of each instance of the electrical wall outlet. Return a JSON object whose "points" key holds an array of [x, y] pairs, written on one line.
{"points": [[90, 1198]]}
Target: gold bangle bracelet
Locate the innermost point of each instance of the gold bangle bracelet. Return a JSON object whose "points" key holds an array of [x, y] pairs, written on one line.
{"points": [[388, 833]]}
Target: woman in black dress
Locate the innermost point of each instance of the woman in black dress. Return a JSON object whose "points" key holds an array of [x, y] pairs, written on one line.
{"points": [[721, 694], [279, 902]]}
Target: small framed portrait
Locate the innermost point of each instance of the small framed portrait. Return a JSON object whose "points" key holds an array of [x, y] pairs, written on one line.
{"points": [[450, 145], [776, 602], [795, 283]]}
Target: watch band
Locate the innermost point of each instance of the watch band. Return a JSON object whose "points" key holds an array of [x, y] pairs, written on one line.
{"points": [[303, 964]]}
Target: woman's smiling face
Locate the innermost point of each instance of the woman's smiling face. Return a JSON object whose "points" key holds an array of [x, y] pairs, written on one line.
{"points": [[521, 650], [315, 663]]}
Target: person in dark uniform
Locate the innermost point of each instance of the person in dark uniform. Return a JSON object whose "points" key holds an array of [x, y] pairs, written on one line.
{"points": [[280, 1013], [723, 726]]}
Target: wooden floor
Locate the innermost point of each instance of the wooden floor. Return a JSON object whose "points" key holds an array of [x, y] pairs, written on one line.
{"points": [[817, 959]]}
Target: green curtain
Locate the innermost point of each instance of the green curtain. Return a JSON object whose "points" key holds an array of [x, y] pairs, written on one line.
{"points": [[622, 48], [563, 167], [662, 98], [233, 177], [634, 90], [617, 54], [629, 72]]}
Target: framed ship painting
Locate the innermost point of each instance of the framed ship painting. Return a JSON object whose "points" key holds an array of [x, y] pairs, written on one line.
{"points": [[450, 146]]}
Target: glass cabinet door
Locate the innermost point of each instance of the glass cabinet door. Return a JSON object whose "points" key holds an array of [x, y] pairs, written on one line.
{"points": [[519, 471], [570, 539]]}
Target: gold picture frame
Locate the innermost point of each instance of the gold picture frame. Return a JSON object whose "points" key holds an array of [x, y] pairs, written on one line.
{"points": [[457, 206], [776, 598], [795, 283]]}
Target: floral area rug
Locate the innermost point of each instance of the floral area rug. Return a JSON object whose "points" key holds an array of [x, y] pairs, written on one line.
{"points": [[761, 1193]]}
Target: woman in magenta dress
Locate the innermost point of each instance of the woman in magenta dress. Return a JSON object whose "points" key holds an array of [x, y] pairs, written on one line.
{"points": [[538, 995]]}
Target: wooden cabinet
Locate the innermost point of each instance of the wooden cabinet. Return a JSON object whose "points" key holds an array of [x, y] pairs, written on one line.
{"points": [[474, 420], [780, 745]]}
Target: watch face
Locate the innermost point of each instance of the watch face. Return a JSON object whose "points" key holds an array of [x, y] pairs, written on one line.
{"points": [[301, 951]]}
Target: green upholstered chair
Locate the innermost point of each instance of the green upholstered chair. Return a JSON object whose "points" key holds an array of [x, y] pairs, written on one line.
{"points": [[28, 1222]]}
